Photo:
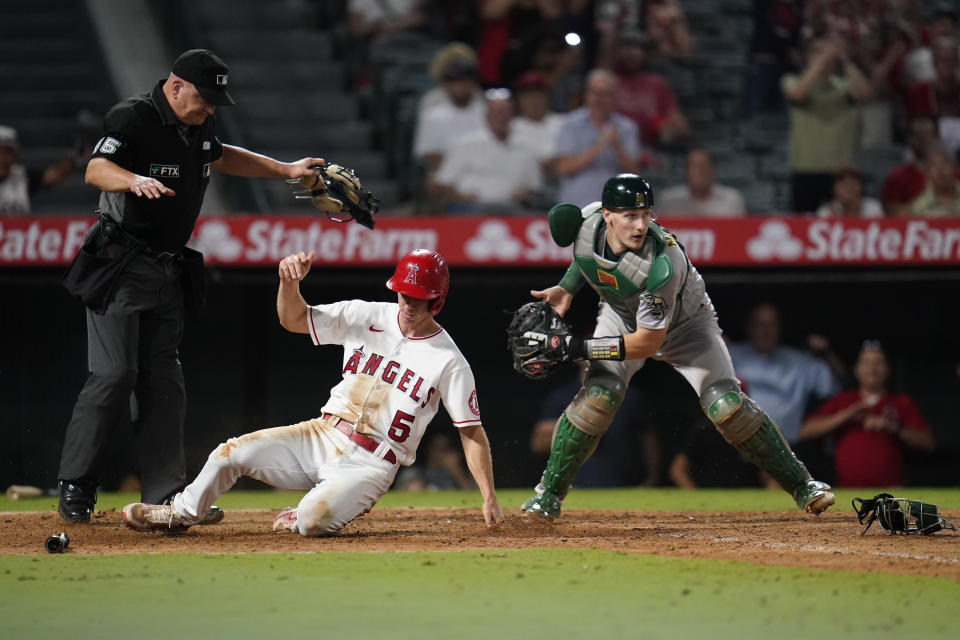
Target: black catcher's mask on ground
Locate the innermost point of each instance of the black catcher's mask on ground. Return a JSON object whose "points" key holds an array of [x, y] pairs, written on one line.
{"points": [[900, 515]]}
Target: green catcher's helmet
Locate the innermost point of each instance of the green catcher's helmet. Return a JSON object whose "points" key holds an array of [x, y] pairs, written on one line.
{"points": [[627, 191]]}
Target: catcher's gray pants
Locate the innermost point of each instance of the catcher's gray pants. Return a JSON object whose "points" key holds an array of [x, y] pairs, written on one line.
{"points": [[133, 347], [693, 346]]}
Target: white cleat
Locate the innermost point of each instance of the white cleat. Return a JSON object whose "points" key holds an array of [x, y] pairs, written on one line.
{"points": [[141, 516]]}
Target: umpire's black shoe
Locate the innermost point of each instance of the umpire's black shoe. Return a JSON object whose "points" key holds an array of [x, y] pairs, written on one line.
{"points": [[77, 500]]}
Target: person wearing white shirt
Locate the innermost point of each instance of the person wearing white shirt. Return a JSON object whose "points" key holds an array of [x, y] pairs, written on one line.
{"points": [[535, 126], [848, 199], [700, 196], [439, 126], [485, 171]]}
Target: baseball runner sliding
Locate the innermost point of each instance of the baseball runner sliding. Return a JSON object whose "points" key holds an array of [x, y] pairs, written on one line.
{"points": [[398, 365], [653, 304]]}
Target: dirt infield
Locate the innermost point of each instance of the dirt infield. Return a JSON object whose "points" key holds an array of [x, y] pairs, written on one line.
{"points": [[792, 539]]}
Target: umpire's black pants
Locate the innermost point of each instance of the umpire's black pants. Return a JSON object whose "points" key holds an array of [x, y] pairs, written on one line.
{"points": [[132, 347]]}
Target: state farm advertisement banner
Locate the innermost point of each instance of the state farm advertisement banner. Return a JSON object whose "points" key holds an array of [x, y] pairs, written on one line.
{"points": [[514, 241]]}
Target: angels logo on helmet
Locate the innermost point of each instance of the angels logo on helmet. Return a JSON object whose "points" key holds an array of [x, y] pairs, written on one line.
{"points": [[412, 274]]}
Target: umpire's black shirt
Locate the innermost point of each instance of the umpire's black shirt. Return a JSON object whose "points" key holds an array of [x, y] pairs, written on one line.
{"points": [[143, 135]]}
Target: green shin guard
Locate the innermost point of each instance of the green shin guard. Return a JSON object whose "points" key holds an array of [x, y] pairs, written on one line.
{"points": [[750, 430], [768, 450], [571, 448]]}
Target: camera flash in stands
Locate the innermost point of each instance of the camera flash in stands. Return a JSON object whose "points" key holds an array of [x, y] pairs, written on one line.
{"points": [[572, 39]]}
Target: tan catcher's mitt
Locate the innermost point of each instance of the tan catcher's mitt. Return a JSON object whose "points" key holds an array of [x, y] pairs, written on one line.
{"points": [[336, 190]]}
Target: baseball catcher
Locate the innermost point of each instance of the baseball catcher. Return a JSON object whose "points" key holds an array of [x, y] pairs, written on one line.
{"points": [[336, 190], [899, 516], [654, 304]]}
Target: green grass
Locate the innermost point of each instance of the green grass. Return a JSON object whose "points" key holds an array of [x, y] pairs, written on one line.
{"points": [[637, 499], [537, 593]]}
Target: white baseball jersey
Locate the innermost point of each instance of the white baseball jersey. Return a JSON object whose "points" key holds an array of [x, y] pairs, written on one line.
{"points": [[392, 385]]}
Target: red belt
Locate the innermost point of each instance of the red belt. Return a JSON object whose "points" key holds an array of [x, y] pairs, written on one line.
{"points": [[366, 442]]}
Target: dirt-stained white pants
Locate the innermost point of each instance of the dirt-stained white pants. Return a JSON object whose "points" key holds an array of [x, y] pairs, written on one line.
{"points": [[344, 479]]}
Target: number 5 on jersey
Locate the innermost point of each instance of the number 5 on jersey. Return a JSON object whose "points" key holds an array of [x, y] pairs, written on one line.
{"points": [[399, 428]]}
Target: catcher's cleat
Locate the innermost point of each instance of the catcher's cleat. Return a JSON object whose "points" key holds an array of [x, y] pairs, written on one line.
{"points": [[546, 505], [141, 516], [814, 497], [77, 500], [213, 515], [286, 520]]}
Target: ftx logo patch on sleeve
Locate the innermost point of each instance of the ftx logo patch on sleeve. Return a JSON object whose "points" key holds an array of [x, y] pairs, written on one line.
{"points": [[164, 170]]}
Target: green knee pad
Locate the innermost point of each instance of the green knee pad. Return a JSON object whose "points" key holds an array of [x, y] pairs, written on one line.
{"points": [[571, 448], [593, 408]]}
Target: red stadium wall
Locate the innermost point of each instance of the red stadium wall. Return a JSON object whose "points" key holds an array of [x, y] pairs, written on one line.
{"points": [[517, 241]]}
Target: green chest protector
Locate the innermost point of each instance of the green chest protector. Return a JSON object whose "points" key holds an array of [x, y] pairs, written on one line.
{"points": [[620, 282]]}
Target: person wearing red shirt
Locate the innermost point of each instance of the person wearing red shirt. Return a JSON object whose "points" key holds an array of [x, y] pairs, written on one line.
{"points": [[871, 425], [905, 182], [644, 96]]}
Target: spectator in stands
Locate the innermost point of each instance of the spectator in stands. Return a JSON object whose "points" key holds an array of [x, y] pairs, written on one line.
{"points": [[627, 455], [863, 25], [535, 127], [875, 41], [918, 66], [545, 51], [872, 426], [907, 181], [612, 16], [594, 142], [848, 199], [940, 98], [442, 468], [505, 24], [369, 19], [941, 196], [485, 171], [644, 96], [706, 460], [17, 183], [774, 51], [784, 381], [439, 126], [821, 101], [438, 69], [667, 26], [700, 196]]}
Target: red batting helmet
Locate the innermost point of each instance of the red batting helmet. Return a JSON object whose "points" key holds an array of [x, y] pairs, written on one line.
{"points": [[422, 274]]}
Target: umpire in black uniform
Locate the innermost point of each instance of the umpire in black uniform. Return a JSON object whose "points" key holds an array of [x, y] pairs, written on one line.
{"points": [[136, 276]]}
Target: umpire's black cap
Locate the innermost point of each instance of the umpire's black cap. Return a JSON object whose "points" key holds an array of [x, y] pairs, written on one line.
{"points": [[207, 72]]}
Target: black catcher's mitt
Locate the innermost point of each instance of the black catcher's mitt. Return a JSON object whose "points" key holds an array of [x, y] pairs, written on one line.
{"points": [[899, 515], [538, 338], [336, 190]]}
